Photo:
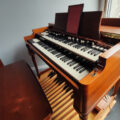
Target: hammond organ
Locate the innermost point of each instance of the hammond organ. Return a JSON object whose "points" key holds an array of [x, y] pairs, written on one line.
{"points": [[72, 47]]}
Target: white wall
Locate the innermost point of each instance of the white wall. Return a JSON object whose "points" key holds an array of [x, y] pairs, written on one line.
{"points": [[101, 5], [19, 17], [115, 9]]}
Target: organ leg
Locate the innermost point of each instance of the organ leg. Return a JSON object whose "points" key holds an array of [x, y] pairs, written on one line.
{"points": [[83, 117], [116, 88], [32, 54]]}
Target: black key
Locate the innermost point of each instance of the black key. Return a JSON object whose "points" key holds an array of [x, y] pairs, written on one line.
{"points": [[60, 55], [76, 66], [43, 44], [59, 39], [66, 60], [72, 63], [66, 41], [96, 53], [77, 46], [50, 49], [85, 49], [69, 62], [71, 43], [62, 58], [63, 40], [80, 67], [40, 42], [90, 52], [81, 70], [65, 51], [55, 52], [46, 47]]}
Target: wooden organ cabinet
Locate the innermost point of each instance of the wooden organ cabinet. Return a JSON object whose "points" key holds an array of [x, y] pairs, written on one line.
{"points": [[83, 67]]}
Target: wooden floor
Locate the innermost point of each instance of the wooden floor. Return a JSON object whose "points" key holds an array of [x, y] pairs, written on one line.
{"points": [[60, 97]]}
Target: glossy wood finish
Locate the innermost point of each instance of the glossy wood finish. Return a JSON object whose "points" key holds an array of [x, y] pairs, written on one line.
{"points": [[110, 34], [91, 89], [39, 30], [110, 29], [22, 98]]}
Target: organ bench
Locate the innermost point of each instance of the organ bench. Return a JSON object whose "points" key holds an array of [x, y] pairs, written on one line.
{"points": [[22, 97]]}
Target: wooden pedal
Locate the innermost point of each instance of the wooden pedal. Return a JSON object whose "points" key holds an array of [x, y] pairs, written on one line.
{"points": [[44, 74], [61, 100], [55, 88], [52, 99]]}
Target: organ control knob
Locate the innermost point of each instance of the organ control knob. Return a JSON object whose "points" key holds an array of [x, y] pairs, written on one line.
{"points": [[69, 38], [77, 40], [73, 38]]}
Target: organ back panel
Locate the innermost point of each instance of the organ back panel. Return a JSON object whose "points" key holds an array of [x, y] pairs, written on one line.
{"points": [[74, 15], [60, 21], [90, 23]]}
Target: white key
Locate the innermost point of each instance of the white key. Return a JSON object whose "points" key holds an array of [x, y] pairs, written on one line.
{"points": [[36, 40]]}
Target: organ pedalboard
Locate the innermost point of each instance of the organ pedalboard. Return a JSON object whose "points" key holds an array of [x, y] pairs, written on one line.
{"points": [[83, 70]]}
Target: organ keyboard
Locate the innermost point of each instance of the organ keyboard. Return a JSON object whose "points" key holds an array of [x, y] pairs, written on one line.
{"points": [[91, 67], [63, 59], [80, 47]]}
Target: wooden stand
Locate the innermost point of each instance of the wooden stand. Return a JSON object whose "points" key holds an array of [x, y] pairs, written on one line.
{"points": [[99, 113]]}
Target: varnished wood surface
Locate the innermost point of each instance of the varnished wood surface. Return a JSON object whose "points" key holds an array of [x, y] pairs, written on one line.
{"points": [[110, 29], [110, 34], [22, 98], [91, 89], [96, 87]]}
